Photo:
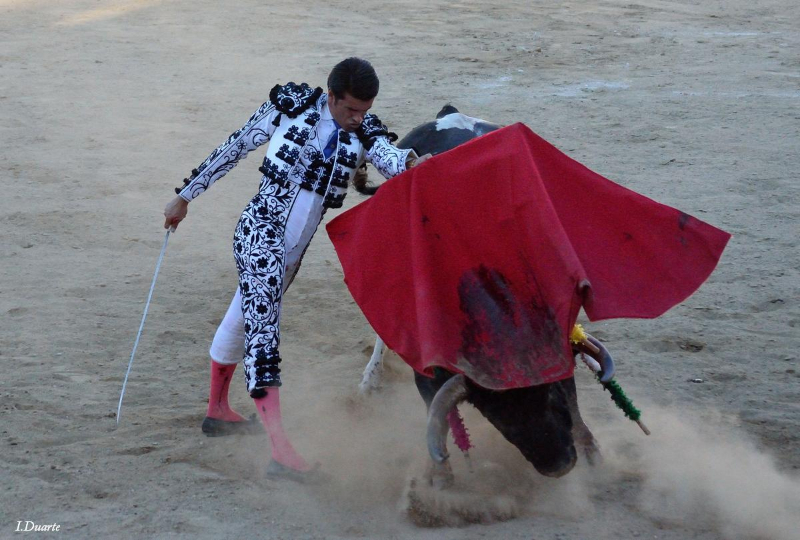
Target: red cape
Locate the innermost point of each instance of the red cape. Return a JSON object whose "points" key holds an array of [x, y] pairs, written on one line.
{"points": [[479, 260]]}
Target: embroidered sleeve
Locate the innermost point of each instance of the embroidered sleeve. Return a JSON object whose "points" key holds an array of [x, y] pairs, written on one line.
{"points": [[387, 158], [257, 131]]}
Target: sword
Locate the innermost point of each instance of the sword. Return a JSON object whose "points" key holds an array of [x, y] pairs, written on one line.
{"points": [[144, 316]]}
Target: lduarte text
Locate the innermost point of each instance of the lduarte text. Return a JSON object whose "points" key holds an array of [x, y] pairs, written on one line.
{"points": [[30, 526]]}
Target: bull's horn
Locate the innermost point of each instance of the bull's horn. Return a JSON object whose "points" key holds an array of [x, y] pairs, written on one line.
{"points": [[604, 358], [449, 395]]}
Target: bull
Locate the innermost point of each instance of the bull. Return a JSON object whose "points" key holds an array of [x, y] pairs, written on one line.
{"points": [[543, 422]]}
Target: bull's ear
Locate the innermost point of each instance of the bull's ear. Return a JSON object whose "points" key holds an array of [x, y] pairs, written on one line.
{"points": [[447, 109]]}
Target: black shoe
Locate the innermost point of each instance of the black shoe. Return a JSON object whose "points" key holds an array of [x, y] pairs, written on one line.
{"points": [[276, 471], [214, 427]]}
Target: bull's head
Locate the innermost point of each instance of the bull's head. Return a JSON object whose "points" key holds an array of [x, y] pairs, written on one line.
{"points": [[542, 421]]}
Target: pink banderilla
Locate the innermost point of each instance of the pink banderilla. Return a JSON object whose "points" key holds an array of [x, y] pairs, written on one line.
{"points": [[460, 435]]}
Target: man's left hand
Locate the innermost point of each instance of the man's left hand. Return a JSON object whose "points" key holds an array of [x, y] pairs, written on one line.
{"points": [[417, 161]]}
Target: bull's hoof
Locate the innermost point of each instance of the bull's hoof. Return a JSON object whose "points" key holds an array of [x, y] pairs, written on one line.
{"points": [[417, 510], [486, 496], [426, 506]]}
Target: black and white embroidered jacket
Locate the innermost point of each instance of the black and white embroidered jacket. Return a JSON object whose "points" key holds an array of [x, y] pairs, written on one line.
{"points": [[289, 120]]}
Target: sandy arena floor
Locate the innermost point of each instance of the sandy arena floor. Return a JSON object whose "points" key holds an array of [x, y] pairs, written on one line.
{"points": [[107, 105]]}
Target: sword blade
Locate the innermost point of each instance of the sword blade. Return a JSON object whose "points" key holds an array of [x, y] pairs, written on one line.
{"points": [[144, 316]]}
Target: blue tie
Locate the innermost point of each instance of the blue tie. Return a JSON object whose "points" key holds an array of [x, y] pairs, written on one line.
{"points": [[331, 146]]}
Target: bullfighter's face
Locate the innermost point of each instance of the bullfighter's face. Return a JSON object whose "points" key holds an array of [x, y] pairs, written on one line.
{"points": [[348, 111]]}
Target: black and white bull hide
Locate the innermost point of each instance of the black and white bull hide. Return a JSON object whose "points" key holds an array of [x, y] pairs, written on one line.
{"points": [[542, 421]]}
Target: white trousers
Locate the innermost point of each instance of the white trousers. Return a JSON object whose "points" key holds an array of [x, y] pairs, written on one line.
{"points": [[229, 341]]}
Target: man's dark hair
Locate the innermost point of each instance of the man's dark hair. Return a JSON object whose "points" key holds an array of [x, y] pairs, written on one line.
{"points": [[353, 76]]}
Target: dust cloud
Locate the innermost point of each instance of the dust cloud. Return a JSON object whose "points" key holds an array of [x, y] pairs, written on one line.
{"points": [[697, 470]]}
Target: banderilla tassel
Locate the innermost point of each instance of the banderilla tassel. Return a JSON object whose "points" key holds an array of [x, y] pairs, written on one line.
{"points": [[623, 402], [460, 434]]}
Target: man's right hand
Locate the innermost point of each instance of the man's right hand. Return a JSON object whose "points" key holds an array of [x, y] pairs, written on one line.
{"points": [[175, 211]]}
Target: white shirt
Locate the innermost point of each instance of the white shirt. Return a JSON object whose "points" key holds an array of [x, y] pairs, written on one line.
{"points": [[325, 127]]}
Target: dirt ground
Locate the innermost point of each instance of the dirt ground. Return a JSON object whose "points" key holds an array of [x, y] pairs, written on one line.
{"points": [[107, 105]]}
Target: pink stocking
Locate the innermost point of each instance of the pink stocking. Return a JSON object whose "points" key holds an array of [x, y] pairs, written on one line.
{"points": [[269, 409], [218, 406]]}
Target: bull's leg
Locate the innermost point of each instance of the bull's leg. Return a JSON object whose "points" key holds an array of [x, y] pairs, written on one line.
{"points": [[372, 373], [584, 439]]}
